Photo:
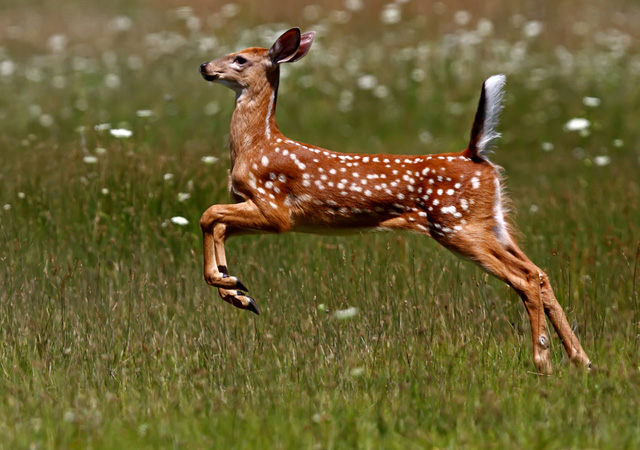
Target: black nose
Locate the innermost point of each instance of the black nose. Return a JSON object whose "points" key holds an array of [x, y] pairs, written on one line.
{"points": [[203, 67]]}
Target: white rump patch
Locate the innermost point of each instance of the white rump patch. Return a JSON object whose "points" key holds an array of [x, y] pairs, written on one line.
{"points": [[500, 228]]}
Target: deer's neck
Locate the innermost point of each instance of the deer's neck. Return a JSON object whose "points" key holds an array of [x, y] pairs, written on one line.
{"points": [[253, 123]]}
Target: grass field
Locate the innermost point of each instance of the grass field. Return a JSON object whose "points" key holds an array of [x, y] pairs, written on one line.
{"points": [[109, 336]]}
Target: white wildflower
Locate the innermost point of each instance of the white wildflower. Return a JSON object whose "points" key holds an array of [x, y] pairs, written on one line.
{"points": [[179, 220], [618, 143], [102, 127], [167, 176], [532, 28], [104, 191], [547, 146], [121, 23], [21, 195], [58, 82], [354, 5], [6, 207], [34, 110], [100, 150], [143, 429], [484, 27], [121, 133], [357, 372], [144, 113], [345, 101], [57, 43], [112, 80], [462, 17], [7, 68], [367, 82], [602, 160], [577, 124], [90, 159], [69, 416], [418, 75], [340, 17], [425, 137], [381, 91], [591, 102], [46, 120], [391, 14], [348, 313], [183, 196], [209, 159], [230, 10]]}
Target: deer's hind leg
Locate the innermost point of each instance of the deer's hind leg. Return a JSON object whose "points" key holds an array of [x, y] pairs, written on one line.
{"points": [[504, 259]]}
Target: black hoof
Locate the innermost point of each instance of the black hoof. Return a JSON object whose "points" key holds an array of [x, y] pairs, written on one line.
{"points": [[253, 306], [240, 285]]}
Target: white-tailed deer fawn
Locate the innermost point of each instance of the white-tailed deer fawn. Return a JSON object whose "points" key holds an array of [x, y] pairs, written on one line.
{"points": [[282, 185]]}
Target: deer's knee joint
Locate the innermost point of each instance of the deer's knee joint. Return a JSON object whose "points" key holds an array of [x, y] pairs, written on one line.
{"points": [[211, 277], [206, 220]]}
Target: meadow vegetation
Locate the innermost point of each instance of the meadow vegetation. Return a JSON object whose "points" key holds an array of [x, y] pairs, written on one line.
{"points": [[112, 145]]}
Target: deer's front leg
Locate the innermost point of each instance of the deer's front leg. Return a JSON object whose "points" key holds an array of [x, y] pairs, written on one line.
{"points": [[235, 296], [218, 223], [215, 271]]}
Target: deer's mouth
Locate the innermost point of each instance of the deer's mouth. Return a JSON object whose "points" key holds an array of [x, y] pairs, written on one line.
{"points": [[205, 73]]}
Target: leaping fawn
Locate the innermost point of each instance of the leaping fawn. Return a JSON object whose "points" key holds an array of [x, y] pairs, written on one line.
{"points": [[282, 185]]}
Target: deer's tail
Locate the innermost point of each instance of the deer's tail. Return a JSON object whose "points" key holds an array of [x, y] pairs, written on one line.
{"points": [[483, 134]]}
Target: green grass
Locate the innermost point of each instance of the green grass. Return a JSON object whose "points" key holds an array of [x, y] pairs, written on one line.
{"points": [[109, 336]]}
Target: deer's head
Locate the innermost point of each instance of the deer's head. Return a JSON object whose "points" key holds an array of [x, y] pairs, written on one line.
{"points": [[240, 70]]}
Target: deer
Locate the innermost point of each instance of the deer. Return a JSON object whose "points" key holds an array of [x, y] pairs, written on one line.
{"points": [[280, 185]]}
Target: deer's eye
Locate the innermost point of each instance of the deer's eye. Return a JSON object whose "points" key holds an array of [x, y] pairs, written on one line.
{"points": [[239, 59]]}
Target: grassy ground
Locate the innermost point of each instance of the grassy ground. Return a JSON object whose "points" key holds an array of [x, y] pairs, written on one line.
{"points": [[109, 337]]}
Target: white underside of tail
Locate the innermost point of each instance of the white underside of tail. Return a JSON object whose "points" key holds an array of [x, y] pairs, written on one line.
{"points": [[494, 92]]}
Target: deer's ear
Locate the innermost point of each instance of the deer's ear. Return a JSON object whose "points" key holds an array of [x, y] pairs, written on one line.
{"points": [[291, 46], [305, 45]]}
